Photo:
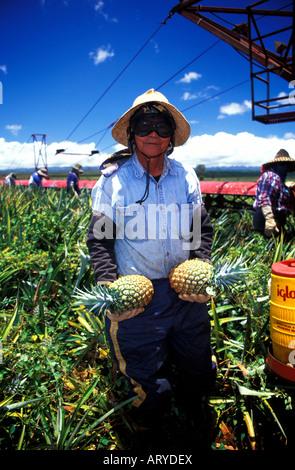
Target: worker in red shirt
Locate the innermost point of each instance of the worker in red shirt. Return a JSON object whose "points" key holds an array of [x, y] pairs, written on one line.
{"points": [[272, 200]]}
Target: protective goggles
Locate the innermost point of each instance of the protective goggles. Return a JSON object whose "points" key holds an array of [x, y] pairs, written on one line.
{"points": [[145, 124]]}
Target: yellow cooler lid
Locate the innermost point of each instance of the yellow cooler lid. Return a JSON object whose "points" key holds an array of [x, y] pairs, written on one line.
{"points": [[284, 268]]}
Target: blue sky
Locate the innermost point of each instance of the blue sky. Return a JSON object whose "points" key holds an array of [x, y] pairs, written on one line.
{"points": [[70, 68]]}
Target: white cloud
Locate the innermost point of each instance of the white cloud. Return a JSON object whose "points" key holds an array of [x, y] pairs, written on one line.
{"points": [[189, 77], [289, 135], [156, 46], [13, 128], [16, 155], [220, 149], [101, 54], [223, 149], [3, 69], [282, 94], [232, 109], [99, 8], [189, 96]]}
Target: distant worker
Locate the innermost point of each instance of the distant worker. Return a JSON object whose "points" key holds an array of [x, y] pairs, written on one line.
{"points": [[73, 180], [272, 200], [10, 179], [36, 178]]}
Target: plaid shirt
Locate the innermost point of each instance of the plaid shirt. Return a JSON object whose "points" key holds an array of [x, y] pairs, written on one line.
{"points": [[271, 191]]}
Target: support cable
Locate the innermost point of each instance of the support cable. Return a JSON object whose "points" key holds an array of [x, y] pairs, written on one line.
{"points": [[216, 94], [160, 86], [187, 65], [117, 78]]}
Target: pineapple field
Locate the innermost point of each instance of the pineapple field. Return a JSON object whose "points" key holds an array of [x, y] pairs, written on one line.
{"points": [[59, 389]]}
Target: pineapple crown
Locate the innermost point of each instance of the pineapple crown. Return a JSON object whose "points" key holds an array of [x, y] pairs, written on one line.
{"points": [[98, 299], [229, 273]]}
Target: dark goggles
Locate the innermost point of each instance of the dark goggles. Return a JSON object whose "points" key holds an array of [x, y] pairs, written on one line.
{"points": [[145, 124]]}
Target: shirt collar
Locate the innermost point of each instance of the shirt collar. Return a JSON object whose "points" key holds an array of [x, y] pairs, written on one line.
{"points": [[140, 171]]}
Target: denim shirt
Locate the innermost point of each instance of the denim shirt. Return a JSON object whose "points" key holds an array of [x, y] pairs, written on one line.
{"points": [[153, 236]]}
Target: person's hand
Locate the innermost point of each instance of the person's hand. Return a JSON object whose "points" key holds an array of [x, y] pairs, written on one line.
{"points": [[270, 223], [270, 227], [120, 316], [200, 298]]}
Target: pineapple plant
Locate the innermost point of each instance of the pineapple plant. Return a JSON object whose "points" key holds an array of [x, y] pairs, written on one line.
{"points": [[195, 276], [126, 293]]}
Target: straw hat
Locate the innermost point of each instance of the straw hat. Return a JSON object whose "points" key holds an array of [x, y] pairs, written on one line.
{"points": [[181, 133], [78, 167], [43, 172], [281, 157]]}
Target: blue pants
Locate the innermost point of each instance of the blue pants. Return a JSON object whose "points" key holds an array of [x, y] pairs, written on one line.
{"points": [[169, 331]]}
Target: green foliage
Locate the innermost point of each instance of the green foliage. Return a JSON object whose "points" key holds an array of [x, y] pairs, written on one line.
{"points": [[57, 386], [246, 395], [55, 369]]}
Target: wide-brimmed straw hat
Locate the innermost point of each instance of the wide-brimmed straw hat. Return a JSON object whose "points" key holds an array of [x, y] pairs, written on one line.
{"points": [[43, 172], [181, 133], [281, 157], [78, 167]]}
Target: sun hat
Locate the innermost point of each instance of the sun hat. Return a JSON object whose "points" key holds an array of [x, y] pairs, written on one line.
{"points": [[181, 133], [78, 167], [281, 157], [43, 172]]}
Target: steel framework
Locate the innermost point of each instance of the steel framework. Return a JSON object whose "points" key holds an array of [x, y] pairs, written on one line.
{"points": [[247, 38], [40, 150]]}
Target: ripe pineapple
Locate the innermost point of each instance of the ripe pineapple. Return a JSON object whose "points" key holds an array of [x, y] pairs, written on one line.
{"points": [[195, 276], [126, 293]]}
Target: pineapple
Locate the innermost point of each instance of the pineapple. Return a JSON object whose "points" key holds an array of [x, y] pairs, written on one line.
{"points": [[126, 293], [195, 276]]}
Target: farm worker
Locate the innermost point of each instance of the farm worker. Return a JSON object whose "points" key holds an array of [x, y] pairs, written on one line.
{"points": [[10, 179], [73, 179], [171, 328], [272, 200], [36, 178]]}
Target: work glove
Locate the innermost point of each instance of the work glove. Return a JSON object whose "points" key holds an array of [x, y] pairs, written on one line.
{"points": [[270, 223], [200, 298], [120, 316]]}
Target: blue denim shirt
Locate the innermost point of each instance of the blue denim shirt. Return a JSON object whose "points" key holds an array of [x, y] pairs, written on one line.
{"points": [[153, 236]]}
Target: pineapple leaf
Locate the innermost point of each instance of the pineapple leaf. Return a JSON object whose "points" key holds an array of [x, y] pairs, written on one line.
{"points": [[96, 300], [228, 274], [210, 291]]}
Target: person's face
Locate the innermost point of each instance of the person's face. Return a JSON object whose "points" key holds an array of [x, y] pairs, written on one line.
{"points": [[281, 170], [152, 134], [152, 144]]}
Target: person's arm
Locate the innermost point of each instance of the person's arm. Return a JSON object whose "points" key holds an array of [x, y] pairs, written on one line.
{"points": [[270, 225], [100, 243], [101, 248], [268, 191]]}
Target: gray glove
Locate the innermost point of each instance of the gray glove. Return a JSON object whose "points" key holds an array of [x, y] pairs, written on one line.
{"points": [[270, 223]]}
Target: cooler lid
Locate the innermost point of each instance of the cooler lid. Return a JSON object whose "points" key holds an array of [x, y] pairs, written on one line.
{"points": [[284, 268]]}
